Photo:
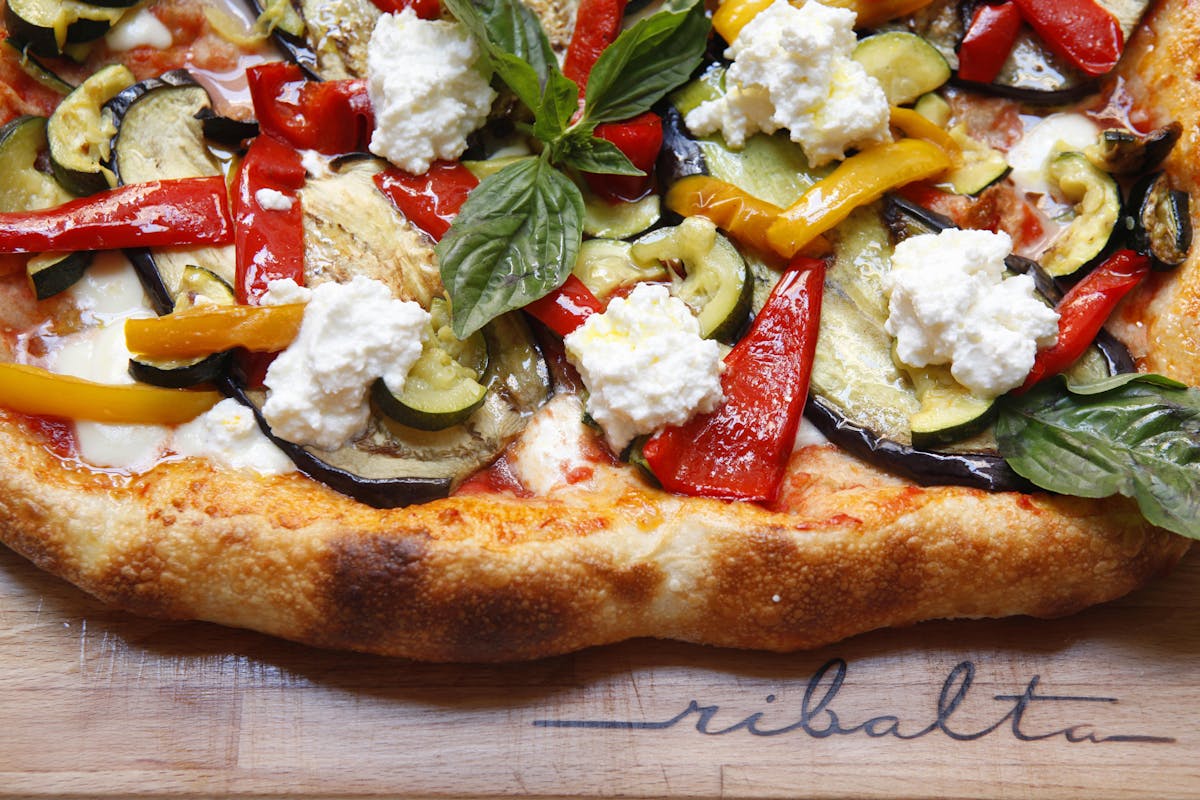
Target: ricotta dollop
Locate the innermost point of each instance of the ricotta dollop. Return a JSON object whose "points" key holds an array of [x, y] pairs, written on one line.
{"points": [[352, 334], [427, 89], [792, 69], [227, 434], [950, 303], [645, 364]]}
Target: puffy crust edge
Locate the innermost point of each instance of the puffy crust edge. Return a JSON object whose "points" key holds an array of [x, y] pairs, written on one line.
{"points": [[492, 578]]}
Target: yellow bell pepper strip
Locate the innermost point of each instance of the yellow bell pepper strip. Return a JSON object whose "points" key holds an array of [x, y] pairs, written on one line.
{"points": [[859, 180], [917, 126], [204, 330], [732, 16], [33, 390], [743, 216]]}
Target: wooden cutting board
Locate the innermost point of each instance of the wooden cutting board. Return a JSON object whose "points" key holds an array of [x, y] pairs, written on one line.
{"points": [[1105, 704]]}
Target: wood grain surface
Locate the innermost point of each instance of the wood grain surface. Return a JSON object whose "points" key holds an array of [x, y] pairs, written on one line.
{"points": [[1105, 704]]}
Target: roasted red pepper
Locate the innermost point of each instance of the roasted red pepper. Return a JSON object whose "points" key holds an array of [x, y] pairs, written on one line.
{"points": [[565, 308], [1084, 309], [432, 200], [639, 139], [989, 39], [331, 117], [740, 451], [425, 9], [1081, 31], [597, 25], [156, 214], [270, 237]]}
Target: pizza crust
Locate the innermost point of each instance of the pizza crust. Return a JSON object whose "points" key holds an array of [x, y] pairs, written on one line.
{"points": [[495, 578], [847, 549]]}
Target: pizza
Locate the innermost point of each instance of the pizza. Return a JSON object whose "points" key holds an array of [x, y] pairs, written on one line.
{"points": [[481, 330]]}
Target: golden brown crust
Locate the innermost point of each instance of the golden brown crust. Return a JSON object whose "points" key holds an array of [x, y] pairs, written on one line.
{"points": [[492, 578], [847, 549]]}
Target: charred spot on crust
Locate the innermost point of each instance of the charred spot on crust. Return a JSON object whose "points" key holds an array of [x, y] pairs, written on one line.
{"points": [[394, 593]]}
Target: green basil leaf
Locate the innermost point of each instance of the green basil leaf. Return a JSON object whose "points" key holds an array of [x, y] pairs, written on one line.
{"points": [[560, 101], [594, 154], [1138, 436], [512, 37], [645, 62], [1117, 381], [515, 240]]}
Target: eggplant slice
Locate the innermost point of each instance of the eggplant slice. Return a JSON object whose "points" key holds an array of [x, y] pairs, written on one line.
{"points": [[861, 401], [1032, 73], [160, 135], [351, 228]]}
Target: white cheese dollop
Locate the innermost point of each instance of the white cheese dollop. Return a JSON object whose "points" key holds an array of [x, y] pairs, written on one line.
{"points": [[792, 69], [950, 303], [645, 364], [273, 200], [427, 89], [137, 29], [352, 334], [228, 434]]}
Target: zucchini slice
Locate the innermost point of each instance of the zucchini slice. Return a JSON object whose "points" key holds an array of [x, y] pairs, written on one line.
{"points": [[197, 286], [443, 388], [25, 187], [716, 284], [1161, 221], [605, 265], [619, 220], [160, 135], [51, 273], [50, 25], [1097, 208], [905, 65], [949, 411], [36, 69], [80, 132], [981, 166], [1124, 152]]}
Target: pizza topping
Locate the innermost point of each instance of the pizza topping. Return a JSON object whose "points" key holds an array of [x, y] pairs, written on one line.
{"points": [[428, 89], [228, 434], [331, 117], [139, 29], [792, 69], [740, 450], [645, 364], [949, 303], [989, 39], [1061, 132], [352, 334], [1096, 201], [1158, 215], [1081, 31]]}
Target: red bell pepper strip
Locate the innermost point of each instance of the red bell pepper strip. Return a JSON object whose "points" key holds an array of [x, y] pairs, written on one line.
{"points": [[565, 308], [639, 139], [1081, 31], [989, 39], [270, 240], [432, 200], [597, 25], [740, 451], [155, 214], [331, 117], [1084, 309], [424, 9]]}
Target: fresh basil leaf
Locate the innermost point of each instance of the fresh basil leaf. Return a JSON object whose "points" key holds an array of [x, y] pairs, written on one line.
{"points": [[1138, 436], [594, 154], [513, 241], [512, 37], [560, 101], [645, 62]]}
